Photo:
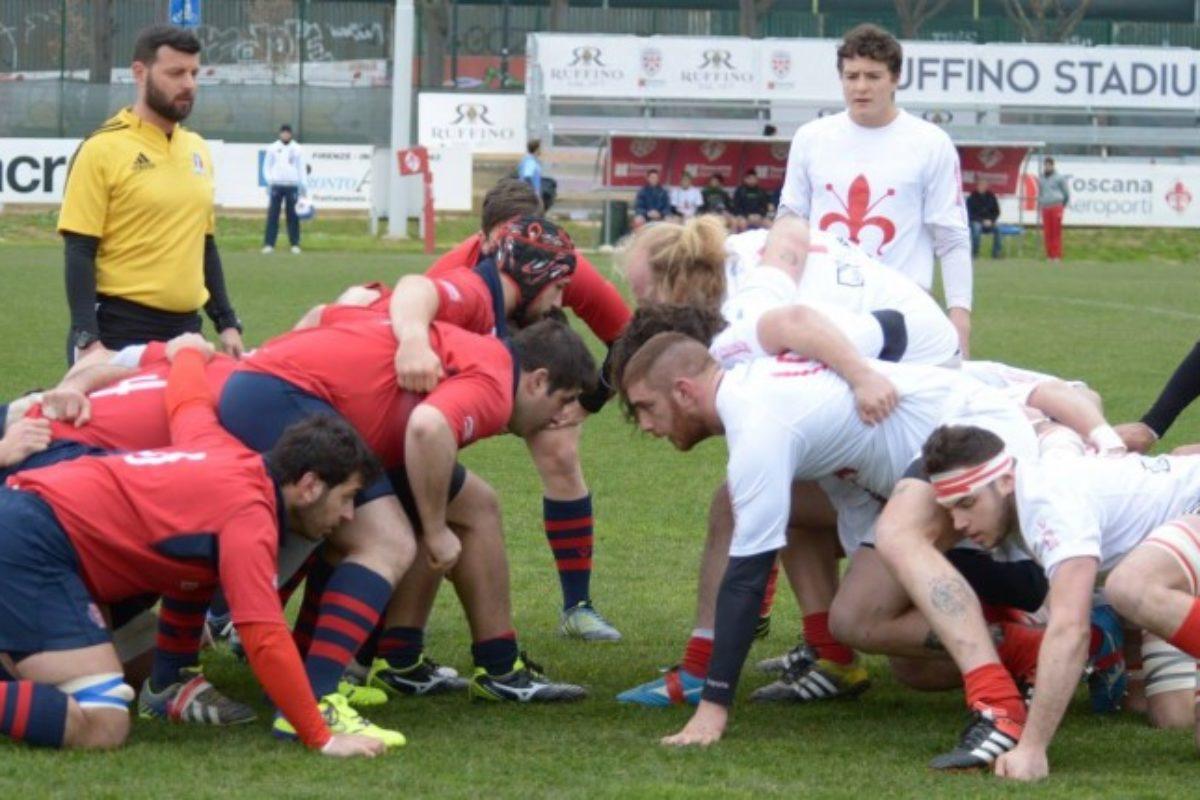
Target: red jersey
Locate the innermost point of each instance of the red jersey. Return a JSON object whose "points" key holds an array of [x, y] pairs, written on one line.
{"points": [[351, 366], [595, 300], [172, 521], [132, 413], [463, 301]]}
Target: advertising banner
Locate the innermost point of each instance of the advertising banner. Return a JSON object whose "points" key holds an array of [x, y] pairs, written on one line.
{"points": [[481, 123], [999, 166], [1119, 194], [805, 71], [340, 177]]}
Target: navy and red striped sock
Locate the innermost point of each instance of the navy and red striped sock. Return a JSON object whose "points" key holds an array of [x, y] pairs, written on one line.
{"points": [[177, 647], [35, 713], [568, 525], [768, 601], [401, 647], [350, 609], [497, 656], [314, 587]]}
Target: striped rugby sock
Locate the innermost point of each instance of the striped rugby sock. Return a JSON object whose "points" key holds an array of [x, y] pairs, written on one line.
{"points": [[349, 611], [177, 647], [310, 604], [401, 647], [568, 525], [35, 713]]}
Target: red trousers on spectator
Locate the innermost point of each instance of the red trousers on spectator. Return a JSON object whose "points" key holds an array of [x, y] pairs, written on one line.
{"points": [[1052, 230]]}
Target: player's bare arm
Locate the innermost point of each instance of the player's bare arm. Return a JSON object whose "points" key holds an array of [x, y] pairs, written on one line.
{"points": [[429, 453], [1061, 660], [413, 307], [807, 332]]}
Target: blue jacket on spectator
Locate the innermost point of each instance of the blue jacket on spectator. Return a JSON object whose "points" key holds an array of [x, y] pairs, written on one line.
{"points": [[652, 198]]}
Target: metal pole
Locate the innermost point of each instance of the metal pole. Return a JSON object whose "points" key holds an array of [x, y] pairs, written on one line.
{"points": [[300, 85], [504, 31], [402, 61], [63, 66], [454, 43]]}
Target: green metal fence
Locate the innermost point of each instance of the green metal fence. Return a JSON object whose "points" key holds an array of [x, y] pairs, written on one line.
{"points": [[324, 65]]}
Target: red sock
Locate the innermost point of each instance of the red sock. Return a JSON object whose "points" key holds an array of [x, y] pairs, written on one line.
{"points": [[992, 686], [768, 601], [696, 656], [1187, 638], [818, 637], [1018, 648]]}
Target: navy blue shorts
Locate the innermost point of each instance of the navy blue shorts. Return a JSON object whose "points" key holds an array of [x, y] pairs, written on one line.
{"points": [[59, 450], [44, 605], [258, 408]]}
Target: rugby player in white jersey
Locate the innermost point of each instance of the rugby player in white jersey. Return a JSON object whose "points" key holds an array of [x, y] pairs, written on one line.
{"points": [[886, 180], [788, 419], [698, 264], [1133, 518]]}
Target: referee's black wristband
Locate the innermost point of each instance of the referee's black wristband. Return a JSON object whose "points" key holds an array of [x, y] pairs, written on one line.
{"points": [[226, 321]]}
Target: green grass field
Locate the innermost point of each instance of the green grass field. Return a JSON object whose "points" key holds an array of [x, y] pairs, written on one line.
{"points": [[1120, 326]]}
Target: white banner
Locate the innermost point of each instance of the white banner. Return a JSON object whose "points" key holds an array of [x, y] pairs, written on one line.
{"points": [[452, 180], [33, 171], [482, 123], [1118, 194], [340, 176], [805, 70]]}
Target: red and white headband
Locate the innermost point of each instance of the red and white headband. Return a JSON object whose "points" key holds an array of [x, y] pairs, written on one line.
{"points": [[955, 484]]}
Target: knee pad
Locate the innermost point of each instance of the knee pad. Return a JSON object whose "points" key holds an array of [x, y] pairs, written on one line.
{"points": [[104, 690], [136, 636], [1165, 668]]}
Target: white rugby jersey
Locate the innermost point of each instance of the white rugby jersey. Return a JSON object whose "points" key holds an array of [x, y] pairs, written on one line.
{"points": [[1016, 382], [895, 190], [836, 276], [787, 418], [1100, 507]]}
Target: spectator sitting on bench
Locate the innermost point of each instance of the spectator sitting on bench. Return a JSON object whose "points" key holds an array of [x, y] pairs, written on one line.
{"points": [[716, 199], [686, 199], [652, 203], [751, 204], [982, 212]]}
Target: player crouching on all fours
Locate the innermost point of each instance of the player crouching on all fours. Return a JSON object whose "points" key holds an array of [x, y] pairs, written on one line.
{"points": [[1133, 518], [96, 531]]}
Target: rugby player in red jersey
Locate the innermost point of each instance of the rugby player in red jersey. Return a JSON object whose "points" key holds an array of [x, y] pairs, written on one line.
{"points": [[346, 368], [176, 521], [567, 504]]}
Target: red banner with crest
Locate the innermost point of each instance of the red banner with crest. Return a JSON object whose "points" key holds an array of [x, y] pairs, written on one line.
{"points": [[631, 157]]}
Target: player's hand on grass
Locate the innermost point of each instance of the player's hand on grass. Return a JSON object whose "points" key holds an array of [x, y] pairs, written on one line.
{"points": [[704, 728], [443, 549], [1137, 436], [1023, 764], [231, 343], [22, 439], [418, 369], [67, 405], [349, 745], [875, 396], [189, 341]]}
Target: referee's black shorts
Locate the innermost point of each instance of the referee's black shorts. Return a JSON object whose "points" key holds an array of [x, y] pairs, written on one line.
{"points": [[124, 323]]}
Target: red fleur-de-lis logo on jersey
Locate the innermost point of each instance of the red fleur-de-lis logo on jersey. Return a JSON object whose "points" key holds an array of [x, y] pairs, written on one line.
{"points": [[858, 207]]}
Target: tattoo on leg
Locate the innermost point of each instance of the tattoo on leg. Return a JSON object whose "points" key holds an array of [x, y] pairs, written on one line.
{"points": [[932, 642], [949, 596]]}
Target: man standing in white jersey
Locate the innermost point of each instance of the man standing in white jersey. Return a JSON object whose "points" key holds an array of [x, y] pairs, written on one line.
{"points": [[788, 419], [884, 179], [1133, 517]]}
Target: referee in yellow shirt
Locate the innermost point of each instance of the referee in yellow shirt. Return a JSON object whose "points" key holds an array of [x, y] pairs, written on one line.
{"points": [[137, 216]]}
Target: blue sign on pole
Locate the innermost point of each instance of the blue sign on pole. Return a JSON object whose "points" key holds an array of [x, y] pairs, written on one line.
{"points": [[185, 13]]}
